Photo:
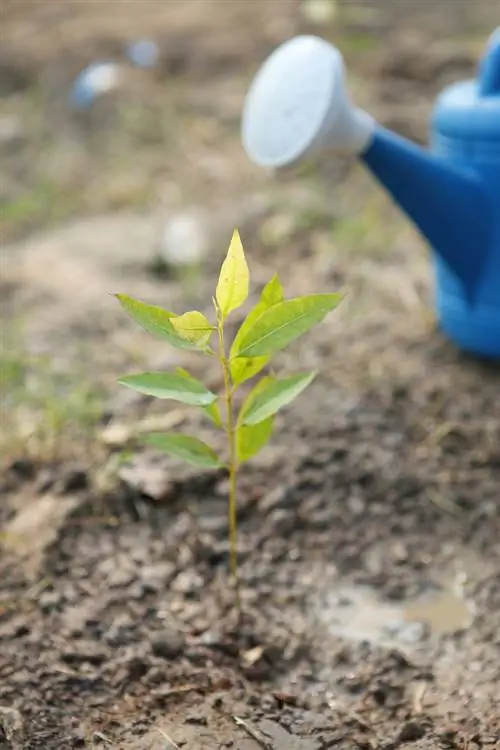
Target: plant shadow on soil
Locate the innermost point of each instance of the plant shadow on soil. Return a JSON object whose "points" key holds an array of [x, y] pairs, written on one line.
{"points": [[370, 530]]}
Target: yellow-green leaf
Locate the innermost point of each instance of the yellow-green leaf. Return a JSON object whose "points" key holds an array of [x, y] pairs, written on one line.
{"points": [[243, 369], [234, 280], [251, 439], [285, 322], [155, 320], [261, 386], [180, 387], [194, 327], [272, 292], [274, 396], [213, 413], [190, 449]]}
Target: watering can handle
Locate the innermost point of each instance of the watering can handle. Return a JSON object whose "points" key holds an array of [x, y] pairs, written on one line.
{"points": [[489, 76]]}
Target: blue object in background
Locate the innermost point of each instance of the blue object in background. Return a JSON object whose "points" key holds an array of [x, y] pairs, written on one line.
{"points": [[97, 79], [297, 106], [144, 53], [453, 196]]}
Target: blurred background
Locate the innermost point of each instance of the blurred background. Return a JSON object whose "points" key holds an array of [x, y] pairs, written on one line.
{"points": [[122, 170]]}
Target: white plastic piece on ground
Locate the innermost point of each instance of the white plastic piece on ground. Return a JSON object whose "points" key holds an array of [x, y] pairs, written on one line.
{"points": [[298, 106], [144, 53], [96, 80], [184, 240]]}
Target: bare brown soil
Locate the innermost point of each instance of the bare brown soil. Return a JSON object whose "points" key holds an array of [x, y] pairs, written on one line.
{"points": [[370, 529]]}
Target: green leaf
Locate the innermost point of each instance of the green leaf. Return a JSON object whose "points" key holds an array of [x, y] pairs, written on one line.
{"points": [[193, 326], [274, 396], [261, 386], [234, 280], [243, 369], [190, 449], [155, 320], [251, 439], [285, 322], [272, 292], [179, 387], [213, 413]]}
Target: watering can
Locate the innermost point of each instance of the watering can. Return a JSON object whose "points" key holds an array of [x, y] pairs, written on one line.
{"points": [[298, 107]]}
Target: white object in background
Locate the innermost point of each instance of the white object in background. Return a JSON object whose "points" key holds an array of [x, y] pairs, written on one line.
{"points": [[96, 80], [319, 11], [184, 240], [144, 53], [298, 105]]}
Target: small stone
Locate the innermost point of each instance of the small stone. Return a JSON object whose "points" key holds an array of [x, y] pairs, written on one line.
{"points": [[277, 498], [168, 644], [156, 577], [136, 592], [411, 732], [156, 676], [89, 652], [15, 627], [11, 726], [149, 479], [74, 481], [45, 481], [121, 578], [184, 240], [23, 468], [137, 667], [268, 703], [79, 739], [281, 521], [49, 600], [188, 582], [12, 133], [200, 721]]}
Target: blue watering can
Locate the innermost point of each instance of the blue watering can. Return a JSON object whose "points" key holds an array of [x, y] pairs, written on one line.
{"points": [[298, 107]]}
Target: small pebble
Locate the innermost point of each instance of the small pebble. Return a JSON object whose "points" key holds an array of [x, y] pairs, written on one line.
{"points": [[168, 644]]}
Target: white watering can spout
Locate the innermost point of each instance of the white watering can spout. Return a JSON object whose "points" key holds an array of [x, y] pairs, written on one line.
{"points": [[298, 106]]}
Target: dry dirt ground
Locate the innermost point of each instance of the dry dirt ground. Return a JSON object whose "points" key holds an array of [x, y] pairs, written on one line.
{"points": [[370, 529]]}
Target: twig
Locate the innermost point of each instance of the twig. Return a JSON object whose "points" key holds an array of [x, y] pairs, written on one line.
{"points": [[418, 699], [102, 737], [445, 504], [169, 692], [172, 744], [253, 733]]}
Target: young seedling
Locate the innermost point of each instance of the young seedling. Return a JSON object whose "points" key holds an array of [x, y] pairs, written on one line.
{"points": [[270, 326]]}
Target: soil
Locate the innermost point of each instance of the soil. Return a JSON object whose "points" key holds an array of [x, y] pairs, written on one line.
{"points": [[369, 530]]}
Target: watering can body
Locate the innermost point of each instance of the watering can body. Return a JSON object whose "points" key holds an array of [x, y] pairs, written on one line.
{"points": [[451, 191]]}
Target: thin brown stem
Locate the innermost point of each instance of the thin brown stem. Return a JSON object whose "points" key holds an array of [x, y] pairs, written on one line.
{"points": [[233, 467]]}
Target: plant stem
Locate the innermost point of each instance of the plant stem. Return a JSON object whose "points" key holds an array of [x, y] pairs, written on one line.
{"points": [[233, 467]]}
